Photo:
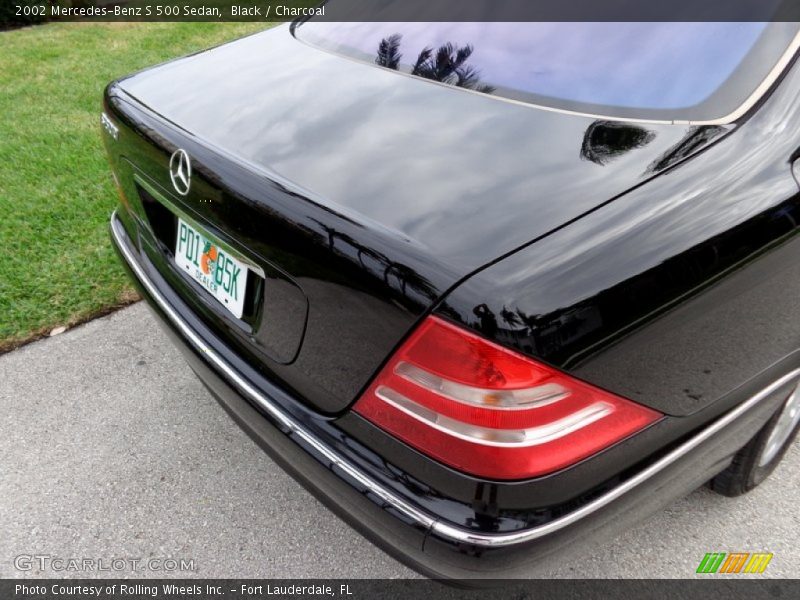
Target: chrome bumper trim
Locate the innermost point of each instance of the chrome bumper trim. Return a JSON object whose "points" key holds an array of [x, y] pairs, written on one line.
{"points": [[434, 526]]}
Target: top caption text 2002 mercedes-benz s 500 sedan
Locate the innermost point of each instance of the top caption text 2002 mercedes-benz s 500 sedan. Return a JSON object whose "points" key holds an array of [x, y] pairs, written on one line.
{"points": [[483, 288]]}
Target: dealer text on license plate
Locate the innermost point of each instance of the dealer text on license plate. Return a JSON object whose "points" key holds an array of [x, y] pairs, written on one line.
{"points": [[212, 267]]}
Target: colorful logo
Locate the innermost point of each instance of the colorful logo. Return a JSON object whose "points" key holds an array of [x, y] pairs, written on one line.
{"points": [[208, 260], [734, 562]]}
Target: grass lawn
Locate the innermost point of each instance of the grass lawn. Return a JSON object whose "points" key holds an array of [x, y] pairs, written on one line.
{"points": [[56, 193]]}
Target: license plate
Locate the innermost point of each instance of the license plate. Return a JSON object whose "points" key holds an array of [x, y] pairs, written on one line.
{"points": [[212, 267]]}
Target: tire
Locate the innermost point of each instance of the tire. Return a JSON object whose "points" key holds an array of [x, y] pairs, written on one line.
{"points": [[754, 463]]}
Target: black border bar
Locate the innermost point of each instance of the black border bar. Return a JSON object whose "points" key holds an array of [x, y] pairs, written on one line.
{"points": [[710, 588], [25, 11]]}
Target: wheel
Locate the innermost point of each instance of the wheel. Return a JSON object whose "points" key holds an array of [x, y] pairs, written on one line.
{"points": [[753, 463]]}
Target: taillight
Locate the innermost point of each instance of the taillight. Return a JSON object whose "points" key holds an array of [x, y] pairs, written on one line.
{"points": [[492, 412]]}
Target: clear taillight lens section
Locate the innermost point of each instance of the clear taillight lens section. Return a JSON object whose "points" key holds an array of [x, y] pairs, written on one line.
{"points": [[492, 412]]}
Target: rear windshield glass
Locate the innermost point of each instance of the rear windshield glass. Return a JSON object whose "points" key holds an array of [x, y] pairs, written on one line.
{"points": [[664, 71]]}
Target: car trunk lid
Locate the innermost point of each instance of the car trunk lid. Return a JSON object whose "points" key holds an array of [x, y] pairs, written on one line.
{"points": [[365, 193]]}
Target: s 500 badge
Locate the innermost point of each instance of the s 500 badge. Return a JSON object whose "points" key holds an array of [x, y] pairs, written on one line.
{"points": [[109, 126]]}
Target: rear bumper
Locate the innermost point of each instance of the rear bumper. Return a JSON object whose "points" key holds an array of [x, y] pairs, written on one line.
{"points": [[422, 539]]}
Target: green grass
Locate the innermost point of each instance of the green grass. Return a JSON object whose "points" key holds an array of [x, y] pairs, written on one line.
{"points": [[56, 193]]}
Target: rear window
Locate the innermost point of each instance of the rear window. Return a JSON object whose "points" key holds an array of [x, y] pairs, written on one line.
{"points": [[659, 71]]}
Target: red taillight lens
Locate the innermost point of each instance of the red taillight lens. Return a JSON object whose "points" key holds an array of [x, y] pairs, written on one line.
{"points": [[492, 412]]}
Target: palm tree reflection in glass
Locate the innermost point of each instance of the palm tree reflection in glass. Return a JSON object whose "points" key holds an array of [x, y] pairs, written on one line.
{"points": [[448, 64]]}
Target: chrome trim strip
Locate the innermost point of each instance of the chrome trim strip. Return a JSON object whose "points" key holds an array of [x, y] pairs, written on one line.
{"points": [[749, 102], [246, 388], [526, 535], [762, 88], [456, 534]]}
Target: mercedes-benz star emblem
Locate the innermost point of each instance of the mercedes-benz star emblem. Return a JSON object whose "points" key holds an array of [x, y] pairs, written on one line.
{"points": [[180, 171]]}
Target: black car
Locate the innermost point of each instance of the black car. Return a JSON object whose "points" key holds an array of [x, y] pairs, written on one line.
{"points": [[486, 289]]}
